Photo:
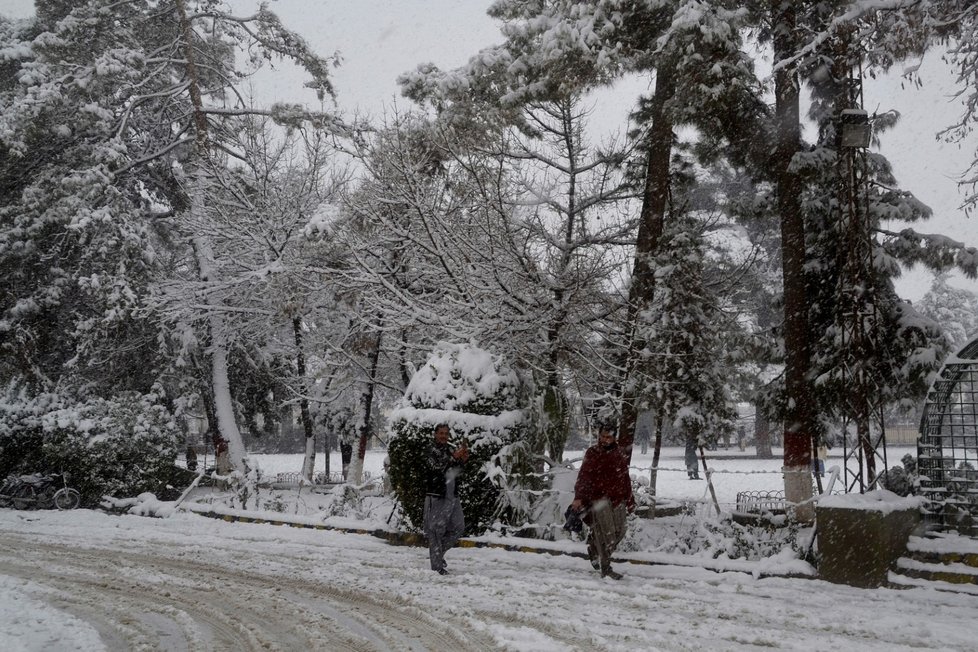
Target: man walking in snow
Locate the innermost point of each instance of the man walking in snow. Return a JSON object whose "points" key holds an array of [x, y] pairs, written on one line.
{"points": [[604, 492], [443, 520]]}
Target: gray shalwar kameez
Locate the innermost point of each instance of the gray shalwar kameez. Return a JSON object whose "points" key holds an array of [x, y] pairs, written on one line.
{"points": [[443, 519]]}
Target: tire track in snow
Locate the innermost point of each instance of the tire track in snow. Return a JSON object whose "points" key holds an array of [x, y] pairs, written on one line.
{"points": [[143, 601], [552, 635]]}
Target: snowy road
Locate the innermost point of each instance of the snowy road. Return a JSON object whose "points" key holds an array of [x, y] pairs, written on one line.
{"points": [[171, 596], [87, 581]]}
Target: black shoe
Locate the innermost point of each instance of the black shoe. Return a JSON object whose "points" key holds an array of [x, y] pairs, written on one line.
{"points": [[442, 571], [610, 573]]}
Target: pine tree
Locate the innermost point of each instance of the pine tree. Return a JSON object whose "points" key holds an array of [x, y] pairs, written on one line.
{"points": [[685, 370], [76, 247]]}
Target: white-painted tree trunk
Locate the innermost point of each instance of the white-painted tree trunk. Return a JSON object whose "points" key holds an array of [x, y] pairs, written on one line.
{"points": [[798, 492], [227, 426], [223, 406], [309, 460], [354, 472]]}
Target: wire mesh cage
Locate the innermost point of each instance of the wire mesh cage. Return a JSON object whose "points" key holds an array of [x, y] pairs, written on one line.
{"points": [[947, 449]]}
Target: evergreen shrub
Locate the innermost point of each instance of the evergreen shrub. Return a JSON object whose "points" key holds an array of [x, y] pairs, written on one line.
{"points": [[119, 447]]}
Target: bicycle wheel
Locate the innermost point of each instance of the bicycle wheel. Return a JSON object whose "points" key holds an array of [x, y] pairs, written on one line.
{"points": [[67, 498]]}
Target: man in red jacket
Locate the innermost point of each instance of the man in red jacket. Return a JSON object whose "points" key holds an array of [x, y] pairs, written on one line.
{"points": [[604, 492]]}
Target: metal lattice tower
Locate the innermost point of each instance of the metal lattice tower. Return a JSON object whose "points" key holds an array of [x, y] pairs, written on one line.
{"points": [[864, 441]]}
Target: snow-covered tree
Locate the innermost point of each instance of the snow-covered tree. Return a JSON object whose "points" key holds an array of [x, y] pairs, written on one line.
{"points": [[406, 234], [553, 50], [685, 371], [783, 25], [484, 242], [557, 221], [569, 204], [271, 264], [139, 101], [953, 309], [77, 245]]}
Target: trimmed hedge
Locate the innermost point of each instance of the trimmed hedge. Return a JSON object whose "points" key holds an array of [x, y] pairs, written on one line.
{"points": [[471, 391], [408, 451]]}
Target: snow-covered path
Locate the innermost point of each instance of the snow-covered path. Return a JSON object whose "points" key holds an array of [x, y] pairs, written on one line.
{"points": [[145, 600], [86, 581]]}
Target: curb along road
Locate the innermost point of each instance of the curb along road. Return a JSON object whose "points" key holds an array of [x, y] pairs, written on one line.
{"points": [[414, 539]]}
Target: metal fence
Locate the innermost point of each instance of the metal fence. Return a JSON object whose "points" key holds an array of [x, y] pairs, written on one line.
{"points": [[319, 479], [761, 502]]}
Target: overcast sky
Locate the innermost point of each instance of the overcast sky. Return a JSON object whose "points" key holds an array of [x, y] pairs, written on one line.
{"points": [[379, 39]]}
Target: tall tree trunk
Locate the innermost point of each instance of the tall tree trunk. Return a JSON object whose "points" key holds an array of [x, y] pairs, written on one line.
{"points": [[220, 381], [402, 361], [354, 473], [212, 432], [309, 459], [656, 451], [799, 415], [346, 456], [655, 199], [556, 405], [328, 430]]}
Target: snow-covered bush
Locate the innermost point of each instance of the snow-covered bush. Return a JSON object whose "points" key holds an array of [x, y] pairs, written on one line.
{"points": [[122, 446], [902, 480], [471, 390], [347, 501], [711, 538]]}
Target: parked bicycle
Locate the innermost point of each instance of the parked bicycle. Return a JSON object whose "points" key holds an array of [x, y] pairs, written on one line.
{"points": [[39, 491]]}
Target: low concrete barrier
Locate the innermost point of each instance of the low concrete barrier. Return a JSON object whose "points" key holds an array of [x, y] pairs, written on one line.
{"points": [[860, 536]]}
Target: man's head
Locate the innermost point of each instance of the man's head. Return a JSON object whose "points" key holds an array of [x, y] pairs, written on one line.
{"points": [[606, 436], [441, 433]]}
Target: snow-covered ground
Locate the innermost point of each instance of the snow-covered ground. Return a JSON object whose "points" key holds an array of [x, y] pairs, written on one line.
{"points": [[86, 580]]}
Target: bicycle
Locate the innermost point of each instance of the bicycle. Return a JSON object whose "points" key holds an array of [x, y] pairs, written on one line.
{"points": [[39, 491]]}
